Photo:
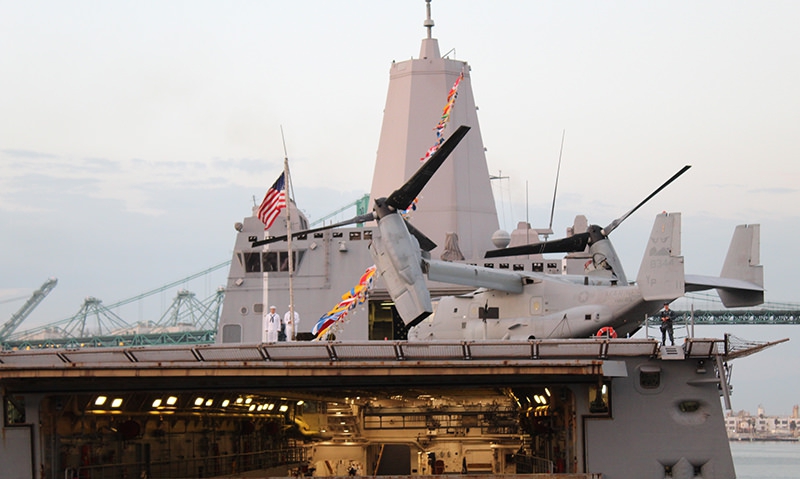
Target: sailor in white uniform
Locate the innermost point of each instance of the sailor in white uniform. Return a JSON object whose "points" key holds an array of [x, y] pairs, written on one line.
{"points": [[292, 324], [273, 325]]}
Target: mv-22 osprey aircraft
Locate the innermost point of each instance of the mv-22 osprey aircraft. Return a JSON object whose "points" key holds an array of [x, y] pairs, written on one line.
{"points": [[532, 305]]}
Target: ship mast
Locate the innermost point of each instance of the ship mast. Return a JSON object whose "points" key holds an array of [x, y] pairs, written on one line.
{"points": [[428, 21]]}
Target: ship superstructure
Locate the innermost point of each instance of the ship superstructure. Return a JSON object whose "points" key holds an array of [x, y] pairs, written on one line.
{"points": [[367, 403]]}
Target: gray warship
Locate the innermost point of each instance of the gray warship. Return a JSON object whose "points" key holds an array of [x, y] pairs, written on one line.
{"points": [[370, 396]]}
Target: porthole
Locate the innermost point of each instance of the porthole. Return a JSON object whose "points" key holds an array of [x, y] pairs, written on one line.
{"points": [[689, 406]]}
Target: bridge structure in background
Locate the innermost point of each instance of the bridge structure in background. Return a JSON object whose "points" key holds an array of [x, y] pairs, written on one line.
{"points": [[710, 311], [188, 320]]}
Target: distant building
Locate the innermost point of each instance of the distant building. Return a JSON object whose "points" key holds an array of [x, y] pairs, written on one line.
{"points": [[742, 426]]}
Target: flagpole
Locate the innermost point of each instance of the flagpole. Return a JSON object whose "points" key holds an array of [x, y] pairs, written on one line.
{"points": [[289, 232]]}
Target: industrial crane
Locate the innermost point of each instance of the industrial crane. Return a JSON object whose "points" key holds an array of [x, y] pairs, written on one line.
{"points": [[26, 309]]}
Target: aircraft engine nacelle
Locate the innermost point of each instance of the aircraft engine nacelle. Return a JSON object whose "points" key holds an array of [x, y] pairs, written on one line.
{"points": [[398, 260]]}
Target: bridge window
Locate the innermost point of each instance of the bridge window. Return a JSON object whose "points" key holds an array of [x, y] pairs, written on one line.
{"points": [[252, 262]]}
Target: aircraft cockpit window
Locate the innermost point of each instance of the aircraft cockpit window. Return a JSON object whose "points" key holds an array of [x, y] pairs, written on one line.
{"points": [[488, 265], [537, 267], [519, 267]]}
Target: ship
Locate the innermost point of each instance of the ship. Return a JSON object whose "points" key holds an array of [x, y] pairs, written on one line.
{"points": [[363, 399]]}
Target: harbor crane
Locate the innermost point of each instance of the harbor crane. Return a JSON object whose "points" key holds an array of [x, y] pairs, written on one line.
{"points": [[26, 309]]}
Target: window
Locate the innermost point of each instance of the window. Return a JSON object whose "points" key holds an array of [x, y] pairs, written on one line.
{"points": [[599, 398], [252, 262], [649, 379], [14, 410]]}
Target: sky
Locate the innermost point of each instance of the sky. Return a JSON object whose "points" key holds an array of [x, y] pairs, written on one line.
{"points": [[134, 134]]}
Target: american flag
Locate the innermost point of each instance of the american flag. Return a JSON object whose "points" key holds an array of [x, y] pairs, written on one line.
{"points": [[273, 203]]}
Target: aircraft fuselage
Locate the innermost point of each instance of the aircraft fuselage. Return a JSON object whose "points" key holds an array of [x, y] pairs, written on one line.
{"points": [[551, 307]]}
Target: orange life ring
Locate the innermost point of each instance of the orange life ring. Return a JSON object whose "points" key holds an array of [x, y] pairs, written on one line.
{"points": [[607, 331]]}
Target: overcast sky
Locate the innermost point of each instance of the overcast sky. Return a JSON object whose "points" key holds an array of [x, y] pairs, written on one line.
{"points": [[133, 134]]}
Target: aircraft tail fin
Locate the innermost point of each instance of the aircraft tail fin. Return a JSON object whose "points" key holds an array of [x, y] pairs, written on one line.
{"points": [[743, 263], [741, 282], [661, 274]]}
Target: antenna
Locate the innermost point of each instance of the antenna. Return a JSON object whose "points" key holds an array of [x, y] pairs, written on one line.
{"points": [[555, 188], [288, 229], [428, 21], [286, 164]]}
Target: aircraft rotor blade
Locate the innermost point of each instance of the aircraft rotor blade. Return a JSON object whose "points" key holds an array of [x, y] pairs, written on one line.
{"points": [[357, 219], [425, 243], [611, 227], [569, 244], [403, 196]]}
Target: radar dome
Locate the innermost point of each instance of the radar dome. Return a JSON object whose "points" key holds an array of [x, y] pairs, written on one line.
{"points": [[501, 239]]}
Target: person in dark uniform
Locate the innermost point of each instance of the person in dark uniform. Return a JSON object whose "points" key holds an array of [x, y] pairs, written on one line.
{"points": [[667, 315]]}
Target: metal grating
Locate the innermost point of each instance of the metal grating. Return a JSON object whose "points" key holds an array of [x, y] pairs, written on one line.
{"points": [[289, 351], [365, 350], [631, 347], [484, 350], [31, 359], [432, 350], [230, 353], [703, 348], [103, 355], [163, 355], [571, 348]]}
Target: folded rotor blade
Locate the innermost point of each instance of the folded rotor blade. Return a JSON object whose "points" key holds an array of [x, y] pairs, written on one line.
{"points": [[357, 219], [569, 244], [611, 227], [403, 196]]}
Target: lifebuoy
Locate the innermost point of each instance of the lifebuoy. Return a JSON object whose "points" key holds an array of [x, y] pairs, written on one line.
{"points": [[607, 331]]}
